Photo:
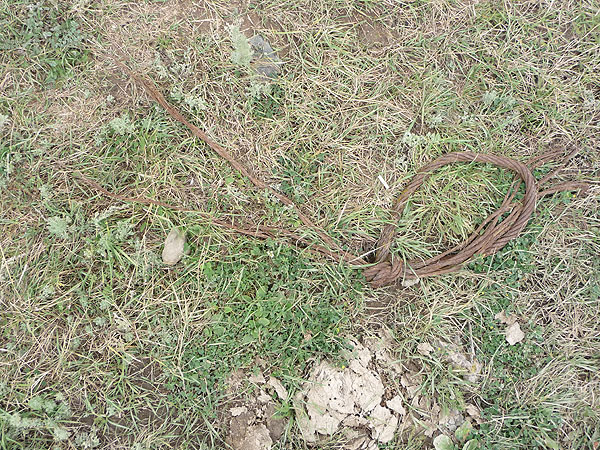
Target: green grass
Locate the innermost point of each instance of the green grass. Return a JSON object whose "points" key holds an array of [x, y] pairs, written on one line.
{"points": [[47, 44], [102, 346]]}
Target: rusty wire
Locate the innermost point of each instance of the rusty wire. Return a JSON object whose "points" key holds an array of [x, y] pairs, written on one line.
{"points": [[503, 225]]}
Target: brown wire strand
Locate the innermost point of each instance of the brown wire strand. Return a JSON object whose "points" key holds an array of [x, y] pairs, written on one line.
{"points": [[503, 225]]}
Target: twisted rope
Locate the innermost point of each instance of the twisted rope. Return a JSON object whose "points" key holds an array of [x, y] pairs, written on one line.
{"points": [[491, 235]]}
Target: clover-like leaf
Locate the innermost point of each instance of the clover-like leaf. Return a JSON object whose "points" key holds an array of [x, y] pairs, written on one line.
{"points": [[443, 442], [462, 432]]}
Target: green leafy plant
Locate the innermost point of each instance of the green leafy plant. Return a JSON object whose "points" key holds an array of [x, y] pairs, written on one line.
{"points": [[59, 226], [265, 100], [297, 177], [242, 52], [49, 35], [122, 125], [265, 307], [44, 415]]}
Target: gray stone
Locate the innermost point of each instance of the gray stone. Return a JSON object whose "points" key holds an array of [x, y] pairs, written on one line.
{"points": [[265, 61]]}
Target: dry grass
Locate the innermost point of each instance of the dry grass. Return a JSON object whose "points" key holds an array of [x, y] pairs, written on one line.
{"points": [[368, 89]]}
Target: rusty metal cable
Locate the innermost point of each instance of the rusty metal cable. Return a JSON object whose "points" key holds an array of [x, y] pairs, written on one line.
{"points": [[503, 225]]}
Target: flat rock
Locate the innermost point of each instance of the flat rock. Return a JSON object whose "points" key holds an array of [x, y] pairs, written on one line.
{"points": [[257, 438], [265, 60], [383, 423], [395, 404], [336, 398]]}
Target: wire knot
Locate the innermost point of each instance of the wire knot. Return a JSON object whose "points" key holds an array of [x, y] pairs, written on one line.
{"points": [[384, 272]]}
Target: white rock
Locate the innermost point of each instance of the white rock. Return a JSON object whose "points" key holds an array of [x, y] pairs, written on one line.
{"points": [[237, 411], [355, 421], [257, 379], [474, 412], [514, 334], [363, 354], [263, 397], [173, 249], [257, 438], [355, 439], [324, 422], [356, 366], [410, 283], [371, 446], [281, 391], [368, 390], [350, 398], [332, 390], [424, 348], [306, 426], [356, 443], [383, 423], [395, 404]]}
